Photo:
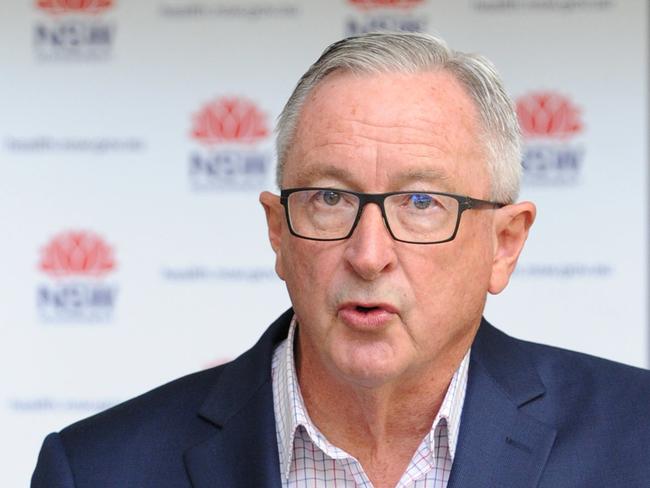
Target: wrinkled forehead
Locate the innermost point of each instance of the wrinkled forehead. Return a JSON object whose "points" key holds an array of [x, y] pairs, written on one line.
{"points": [[393, 94], [386, 125]]}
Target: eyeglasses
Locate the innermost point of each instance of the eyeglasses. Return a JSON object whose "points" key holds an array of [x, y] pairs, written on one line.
{"points": [[415, 217]]}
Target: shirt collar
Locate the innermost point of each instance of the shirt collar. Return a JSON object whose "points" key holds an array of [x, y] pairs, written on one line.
{"points": [[452, 406], [291, 413]]}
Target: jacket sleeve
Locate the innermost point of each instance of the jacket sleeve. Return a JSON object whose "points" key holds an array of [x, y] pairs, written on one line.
{"points": [[52, 469]]}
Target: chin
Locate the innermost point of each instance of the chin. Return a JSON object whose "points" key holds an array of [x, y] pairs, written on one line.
{"points": [[368, 369]]}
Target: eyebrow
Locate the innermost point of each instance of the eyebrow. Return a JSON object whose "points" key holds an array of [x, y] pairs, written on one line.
{"points": [[421, 175], [307, 176], [428, 176]]}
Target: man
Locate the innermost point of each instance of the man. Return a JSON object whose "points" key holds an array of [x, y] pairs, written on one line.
{"points": [[399, 169]]}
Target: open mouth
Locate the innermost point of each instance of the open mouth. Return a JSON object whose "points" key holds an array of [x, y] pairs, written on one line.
{"points": [[362, 309], [369, 307], [368, 316]]}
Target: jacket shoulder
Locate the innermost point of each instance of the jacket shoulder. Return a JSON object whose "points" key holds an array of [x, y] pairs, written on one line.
{"points": [[558, 366], [179, 398], [136, 443], [599, 409], [143, 441], [175, 406], [585, 394]]}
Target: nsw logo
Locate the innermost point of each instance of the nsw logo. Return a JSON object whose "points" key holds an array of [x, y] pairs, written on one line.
{"points": [[73, 30], [233, 135], [551, 125], [77, 264], [384, 15]]}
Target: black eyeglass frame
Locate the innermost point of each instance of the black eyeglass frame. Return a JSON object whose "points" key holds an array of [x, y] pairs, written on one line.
{"points": [[464, 203]]}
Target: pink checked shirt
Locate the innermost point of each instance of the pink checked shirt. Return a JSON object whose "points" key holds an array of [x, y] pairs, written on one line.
{"points": [[308, 459]]}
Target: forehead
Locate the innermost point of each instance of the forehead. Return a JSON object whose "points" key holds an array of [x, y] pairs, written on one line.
{"points": [[384, 127]]}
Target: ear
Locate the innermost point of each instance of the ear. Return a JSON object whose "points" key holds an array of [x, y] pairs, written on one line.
{"points": [[511, 226], [274, 221]]}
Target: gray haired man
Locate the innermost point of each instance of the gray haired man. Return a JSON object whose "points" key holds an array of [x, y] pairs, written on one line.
{"points": [[399, 164]]}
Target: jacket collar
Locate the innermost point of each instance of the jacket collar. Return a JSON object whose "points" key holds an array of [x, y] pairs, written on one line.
{"points": [[500, 444], [240, 449]]}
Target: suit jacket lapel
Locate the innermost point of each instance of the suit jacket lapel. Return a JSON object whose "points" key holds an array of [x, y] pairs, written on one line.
{"points": [[240, 447], [499, 443], [242, 453]]}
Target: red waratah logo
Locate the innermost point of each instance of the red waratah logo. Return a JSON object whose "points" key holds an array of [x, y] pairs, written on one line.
{"points": [[373, 4], [548, 114], [229, 120], [74, 6], [77, 253]]}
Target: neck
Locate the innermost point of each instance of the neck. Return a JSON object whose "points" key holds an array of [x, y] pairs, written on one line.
{"points": [[380, 426]]}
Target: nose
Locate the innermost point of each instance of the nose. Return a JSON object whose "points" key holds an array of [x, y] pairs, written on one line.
{"points": [[370, 249]]}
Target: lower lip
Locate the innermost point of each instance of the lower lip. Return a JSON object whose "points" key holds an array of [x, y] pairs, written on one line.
{"points": [[371, 320]]}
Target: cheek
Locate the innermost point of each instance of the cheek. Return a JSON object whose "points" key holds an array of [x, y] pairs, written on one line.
{"points": [[451, 279], [296, 259], [473, 266], [474, 239], [306, 266]]}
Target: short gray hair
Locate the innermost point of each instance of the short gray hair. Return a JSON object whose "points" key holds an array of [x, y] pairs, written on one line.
{"points": [[403, 52]]}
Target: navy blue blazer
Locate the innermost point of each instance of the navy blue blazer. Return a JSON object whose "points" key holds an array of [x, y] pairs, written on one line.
{"points": [[534, 416]]}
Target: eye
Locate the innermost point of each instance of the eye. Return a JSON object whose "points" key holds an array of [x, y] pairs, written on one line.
{"points": [[421, 201], [331, 197]]}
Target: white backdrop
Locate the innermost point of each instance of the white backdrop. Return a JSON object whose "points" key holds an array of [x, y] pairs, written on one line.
{"points": [[136, 136]]}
